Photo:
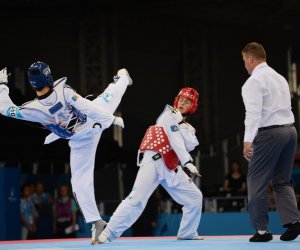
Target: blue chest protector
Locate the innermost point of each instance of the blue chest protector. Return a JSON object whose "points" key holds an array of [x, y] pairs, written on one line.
{"points": [[74, 116]]}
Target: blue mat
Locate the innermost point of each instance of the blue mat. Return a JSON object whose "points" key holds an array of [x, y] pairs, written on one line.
{"points": [[210, 243]]}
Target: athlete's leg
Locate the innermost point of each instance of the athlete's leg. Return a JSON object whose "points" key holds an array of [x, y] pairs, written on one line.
{"points": [[187, 194], [111, 97], [131, 208], [82, 162]]}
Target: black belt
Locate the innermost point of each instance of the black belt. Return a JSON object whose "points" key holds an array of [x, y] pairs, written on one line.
{"points": [[276, 126], [158, 156], [154, 157]]}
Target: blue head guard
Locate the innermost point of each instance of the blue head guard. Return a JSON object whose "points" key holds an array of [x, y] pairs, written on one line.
{"points": [[39, 75]]}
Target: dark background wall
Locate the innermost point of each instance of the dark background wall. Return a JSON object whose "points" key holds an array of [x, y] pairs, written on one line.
{"points": [[165, 45]]}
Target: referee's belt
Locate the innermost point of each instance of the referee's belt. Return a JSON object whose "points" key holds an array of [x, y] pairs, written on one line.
{"points": [[276, 126]]}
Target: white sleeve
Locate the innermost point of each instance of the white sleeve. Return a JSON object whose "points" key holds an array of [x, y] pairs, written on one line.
{"points": [[85, 106], [189, 136], [253, 99], [170, 126], [5, 101], [9, 109]]}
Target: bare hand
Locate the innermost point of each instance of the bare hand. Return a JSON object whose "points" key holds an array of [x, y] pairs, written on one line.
{"points": [[248, 150]]}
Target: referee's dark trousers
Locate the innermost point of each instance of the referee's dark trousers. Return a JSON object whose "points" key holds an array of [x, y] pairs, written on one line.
{"points": [[274, 150]]}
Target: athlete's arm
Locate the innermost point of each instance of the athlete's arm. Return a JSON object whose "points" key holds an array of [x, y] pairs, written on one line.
{"points": [[175, 137], [9, 109], [189, 135]]}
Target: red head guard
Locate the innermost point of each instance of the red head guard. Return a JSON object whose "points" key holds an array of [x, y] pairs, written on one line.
{"points": [[190, 94]]}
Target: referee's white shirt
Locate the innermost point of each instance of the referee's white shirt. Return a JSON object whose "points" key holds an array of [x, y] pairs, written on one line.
{"points": [[267, 100]]}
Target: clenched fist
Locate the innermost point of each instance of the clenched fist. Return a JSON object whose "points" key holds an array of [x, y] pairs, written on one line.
{"points": [[119, 122], [3, 76]]}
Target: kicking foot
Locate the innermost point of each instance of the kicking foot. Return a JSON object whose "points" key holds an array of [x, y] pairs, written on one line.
{"points": [[124, 72], [118, 121], [97, 229]]}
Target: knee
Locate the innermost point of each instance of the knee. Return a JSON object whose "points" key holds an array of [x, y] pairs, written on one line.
{"points": [[82, 179], [136, 205], [257, 197], [82, 183], [136, 202], [196, 201], [199, 199], [277, 186]]}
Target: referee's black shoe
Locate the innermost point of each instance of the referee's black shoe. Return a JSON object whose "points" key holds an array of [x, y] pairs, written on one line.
{"points": [[267, 236], [292, 232]]}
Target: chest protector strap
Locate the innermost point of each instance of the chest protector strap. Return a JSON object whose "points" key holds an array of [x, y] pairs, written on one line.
{"points": [[156, 140]]}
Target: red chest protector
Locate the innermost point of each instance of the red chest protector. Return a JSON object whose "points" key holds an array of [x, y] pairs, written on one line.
{"points": [[156, 140]]}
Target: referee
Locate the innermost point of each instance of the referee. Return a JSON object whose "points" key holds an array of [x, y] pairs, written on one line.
{"points": [[270, 143]]}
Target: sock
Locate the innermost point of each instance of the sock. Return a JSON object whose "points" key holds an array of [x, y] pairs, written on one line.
{"points": [[261, 232]]}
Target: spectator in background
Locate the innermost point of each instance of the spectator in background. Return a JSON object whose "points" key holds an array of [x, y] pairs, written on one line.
{"points": [[65, 214], [28, 214], [235, 181], [234, 186], [43, 202], [31, 185]]}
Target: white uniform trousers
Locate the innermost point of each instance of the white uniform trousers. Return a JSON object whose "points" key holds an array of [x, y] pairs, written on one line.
{"points": [[149, 176], [83, 152]]}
